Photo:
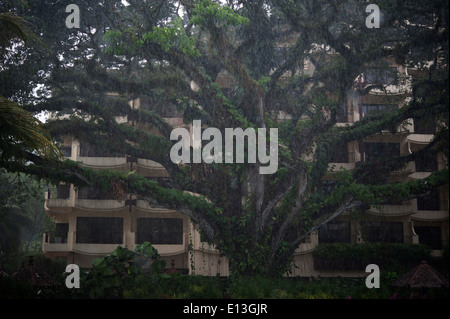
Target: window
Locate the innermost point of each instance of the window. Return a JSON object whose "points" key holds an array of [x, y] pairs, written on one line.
{"points": [[429, 201], [66, 151], [93, 193], [99, 230], [170, 111], [385, 76], [426, 162], [374, 109], [341, 113], [379, 151], [386, 232], [340, 153], [88, 150], [429, 235], [335, 232], [63, 191], [60, 234], [168, 231]]}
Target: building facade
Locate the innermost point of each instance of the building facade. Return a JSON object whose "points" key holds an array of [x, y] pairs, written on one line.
{"points": [[90, 223]]}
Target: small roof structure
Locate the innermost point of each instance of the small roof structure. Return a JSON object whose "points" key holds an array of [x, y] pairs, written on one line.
{"points": [[422, 276]]}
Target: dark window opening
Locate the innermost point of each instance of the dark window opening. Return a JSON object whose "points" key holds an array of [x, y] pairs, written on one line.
{"points": [[340, 153], [385, 76], [59, 236], [375, 109], [63, 191], [87, 150], [385, 232], [426, 162], [66, 151], [429, 201], [167, 231], [335, 232], [429, 235], [99, 230], [341, 113], [166, 109], [94, 193], [380, 151]]}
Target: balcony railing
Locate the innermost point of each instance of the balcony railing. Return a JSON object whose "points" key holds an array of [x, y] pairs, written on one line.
{"points": [[52, 237]]}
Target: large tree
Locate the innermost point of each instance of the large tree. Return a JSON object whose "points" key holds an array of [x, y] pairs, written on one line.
{"points": [[170, 53]]}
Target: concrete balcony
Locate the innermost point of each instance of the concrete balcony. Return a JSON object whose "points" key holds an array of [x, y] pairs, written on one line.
{"points": [[309, 244], [169, 250], [431, 215], [104, 162], [100, 204], [151, 168], [58, 203], [145, 206], [393, 210], [409, 168], [419, 175], [53, 243], [97, 248], [419, 139]]}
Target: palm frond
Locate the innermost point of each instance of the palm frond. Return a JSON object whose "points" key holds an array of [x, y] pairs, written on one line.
{"points": [[17, 126], [13, 27]]}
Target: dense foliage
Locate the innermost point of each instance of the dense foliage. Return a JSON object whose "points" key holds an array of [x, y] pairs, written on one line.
{"points": [[157, 51]]}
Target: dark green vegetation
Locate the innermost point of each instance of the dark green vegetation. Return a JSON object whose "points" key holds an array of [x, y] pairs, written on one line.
{"points": [[127, 274], [146, 50], [22, 218]]}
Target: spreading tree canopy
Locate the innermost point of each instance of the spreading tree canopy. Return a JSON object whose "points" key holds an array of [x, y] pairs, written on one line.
{"points": [[173, 55]]}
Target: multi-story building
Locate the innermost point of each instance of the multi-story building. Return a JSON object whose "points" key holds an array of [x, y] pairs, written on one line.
{"points": [[90, 223], [422, 220]]}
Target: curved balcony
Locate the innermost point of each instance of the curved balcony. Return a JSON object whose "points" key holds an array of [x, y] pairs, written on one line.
{"points": [[146, 167], [419, 175], [104, 162], [431, 215], [167, 250], [100, 204], [407, 169], [57, 203], [145, 206], [51, 242], [419, 139], [393, 210]]}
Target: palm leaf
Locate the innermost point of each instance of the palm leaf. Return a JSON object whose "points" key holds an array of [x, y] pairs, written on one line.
{"points": [[17, 126], [12, 27]]}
